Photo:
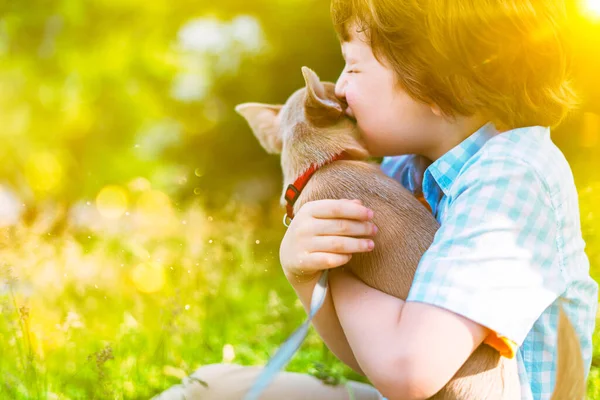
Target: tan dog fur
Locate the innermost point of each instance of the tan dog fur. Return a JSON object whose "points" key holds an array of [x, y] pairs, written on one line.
{"points": [[310, 128]]}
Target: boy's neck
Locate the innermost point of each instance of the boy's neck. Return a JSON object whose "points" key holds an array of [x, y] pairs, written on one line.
{"points": [[451, 132]]}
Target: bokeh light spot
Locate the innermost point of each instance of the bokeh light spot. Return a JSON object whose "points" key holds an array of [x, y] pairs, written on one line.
{"points": [[44, 172], [155, 214], [148, 277], [111, 202], [228, 353], [154, 203]]}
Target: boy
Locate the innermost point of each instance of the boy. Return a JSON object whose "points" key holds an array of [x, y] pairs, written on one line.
{"points": [[472, 86]]}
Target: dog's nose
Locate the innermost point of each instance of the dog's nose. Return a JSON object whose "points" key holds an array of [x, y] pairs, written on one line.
{"points": [[346, 107], [342, 100]]}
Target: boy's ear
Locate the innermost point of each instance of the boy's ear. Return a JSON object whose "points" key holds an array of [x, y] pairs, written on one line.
{"points": [[436, 110], [317, 104], [264, 121]]}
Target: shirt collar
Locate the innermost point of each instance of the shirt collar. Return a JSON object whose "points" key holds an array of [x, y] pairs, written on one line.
{"points": [[446, 168]]}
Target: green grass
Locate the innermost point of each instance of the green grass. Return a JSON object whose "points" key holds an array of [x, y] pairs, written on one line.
{"points": [[125, 309], [75, 325]]}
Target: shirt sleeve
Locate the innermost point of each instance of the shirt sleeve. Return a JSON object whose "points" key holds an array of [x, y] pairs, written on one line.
{"points": [[408, 170], [494, 259]]}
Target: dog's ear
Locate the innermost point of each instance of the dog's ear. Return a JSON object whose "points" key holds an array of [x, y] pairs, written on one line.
{"points": [[264, 121], [317, 106]]}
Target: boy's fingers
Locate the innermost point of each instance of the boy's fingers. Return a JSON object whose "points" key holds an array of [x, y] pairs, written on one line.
{"points": [[329, 260], [340, 245], [342, 209], [343, 227]]}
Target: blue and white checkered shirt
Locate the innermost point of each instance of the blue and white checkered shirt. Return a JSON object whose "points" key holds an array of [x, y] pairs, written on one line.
{"points": [[509, 248]]}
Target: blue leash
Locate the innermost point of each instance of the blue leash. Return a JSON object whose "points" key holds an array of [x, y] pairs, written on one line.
{"points": [[292, 344]]}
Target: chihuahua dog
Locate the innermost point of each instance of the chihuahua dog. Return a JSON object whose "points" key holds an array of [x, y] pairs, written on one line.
{"points": [[322, 157]]}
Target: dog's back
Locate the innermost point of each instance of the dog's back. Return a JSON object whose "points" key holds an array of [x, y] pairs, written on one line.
{"points": [[406, 227]]}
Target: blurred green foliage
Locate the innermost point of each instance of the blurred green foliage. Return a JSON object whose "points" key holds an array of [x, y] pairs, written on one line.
{"points": [[104, 91]]}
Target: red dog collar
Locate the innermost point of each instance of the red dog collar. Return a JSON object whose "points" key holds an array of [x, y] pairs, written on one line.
{"points": [[293, 190]]}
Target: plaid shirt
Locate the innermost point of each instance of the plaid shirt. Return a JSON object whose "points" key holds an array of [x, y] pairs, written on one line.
{"points": [[509, 248]]}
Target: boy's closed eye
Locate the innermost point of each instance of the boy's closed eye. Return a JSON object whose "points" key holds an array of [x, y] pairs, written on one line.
{"points": [[351, 68]]}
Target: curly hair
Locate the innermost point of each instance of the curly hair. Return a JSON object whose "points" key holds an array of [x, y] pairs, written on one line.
{"points": [[506, 59]]}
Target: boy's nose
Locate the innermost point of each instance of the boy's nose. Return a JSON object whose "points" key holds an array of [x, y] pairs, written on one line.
{"points": [[340, 88]]}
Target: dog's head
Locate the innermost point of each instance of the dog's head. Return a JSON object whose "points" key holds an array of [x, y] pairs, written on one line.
{"points": [[312, 120]]}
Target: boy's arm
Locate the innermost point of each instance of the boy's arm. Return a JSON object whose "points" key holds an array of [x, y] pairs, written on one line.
{"points": [[494, 261], [321, 236], [418, 347], [326, 321]]}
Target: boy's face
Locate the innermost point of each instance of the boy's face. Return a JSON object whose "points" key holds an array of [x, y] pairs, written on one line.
{"points": [[390, 121]]}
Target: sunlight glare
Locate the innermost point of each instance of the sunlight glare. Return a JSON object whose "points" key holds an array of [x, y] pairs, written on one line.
{"points": [[593, 6]]}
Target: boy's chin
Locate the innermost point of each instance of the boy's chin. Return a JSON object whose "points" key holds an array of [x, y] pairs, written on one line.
{"points": [[374, 151], [385, 151]]}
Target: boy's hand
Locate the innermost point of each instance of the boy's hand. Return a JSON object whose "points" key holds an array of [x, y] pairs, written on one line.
{"points": [[324, 234]]}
